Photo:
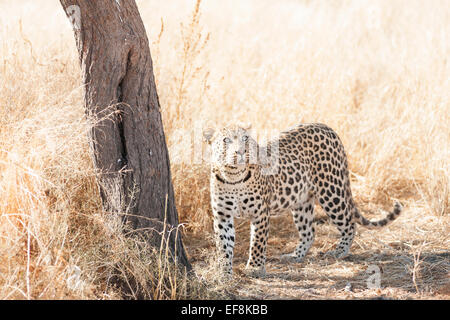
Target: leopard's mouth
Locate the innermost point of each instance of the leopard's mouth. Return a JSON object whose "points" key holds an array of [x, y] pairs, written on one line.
{"points": [[239, 159], [230, 166], [235, 163]]}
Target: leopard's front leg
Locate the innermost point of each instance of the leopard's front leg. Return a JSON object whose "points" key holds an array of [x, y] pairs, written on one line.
{"points": [[224, 231], [259, 233]]}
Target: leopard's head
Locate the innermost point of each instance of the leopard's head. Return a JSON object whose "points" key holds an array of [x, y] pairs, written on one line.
{"points": [[232, 149]]}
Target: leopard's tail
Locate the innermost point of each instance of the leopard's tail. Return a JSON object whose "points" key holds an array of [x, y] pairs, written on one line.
{"points": [[391, 216]]}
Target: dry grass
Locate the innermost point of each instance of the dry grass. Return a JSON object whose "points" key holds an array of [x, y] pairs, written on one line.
{"points": [[375, 71]]}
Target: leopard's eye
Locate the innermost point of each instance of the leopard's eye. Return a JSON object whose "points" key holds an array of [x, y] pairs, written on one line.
{"points": [[226, 140], [244, 138]]}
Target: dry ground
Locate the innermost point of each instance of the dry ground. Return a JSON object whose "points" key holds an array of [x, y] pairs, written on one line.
{"points": [[410, 266], [376, 71]]}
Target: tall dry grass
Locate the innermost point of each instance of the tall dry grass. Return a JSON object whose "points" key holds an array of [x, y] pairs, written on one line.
{"points": [[375, 71]]}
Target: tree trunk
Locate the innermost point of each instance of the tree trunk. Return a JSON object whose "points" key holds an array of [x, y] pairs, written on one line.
{"points": [[127, 138]]}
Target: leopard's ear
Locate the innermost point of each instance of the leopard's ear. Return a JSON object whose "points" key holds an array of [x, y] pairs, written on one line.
{"points": [[208, 134], [246, 125]]}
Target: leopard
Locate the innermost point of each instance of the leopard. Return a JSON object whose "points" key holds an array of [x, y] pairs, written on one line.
{"points": [[299, 168]]}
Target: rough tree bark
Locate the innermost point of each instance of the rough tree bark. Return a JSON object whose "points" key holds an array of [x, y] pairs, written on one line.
{"points": [[127, 140]]}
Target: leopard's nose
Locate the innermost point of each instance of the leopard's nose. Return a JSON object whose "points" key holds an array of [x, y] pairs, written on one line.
{"points": [[240, 152]]}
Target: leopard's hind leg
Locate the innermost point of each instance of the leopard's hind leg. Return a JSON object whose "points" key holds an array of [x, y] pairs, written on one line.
{"points": [[338, 209]]}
